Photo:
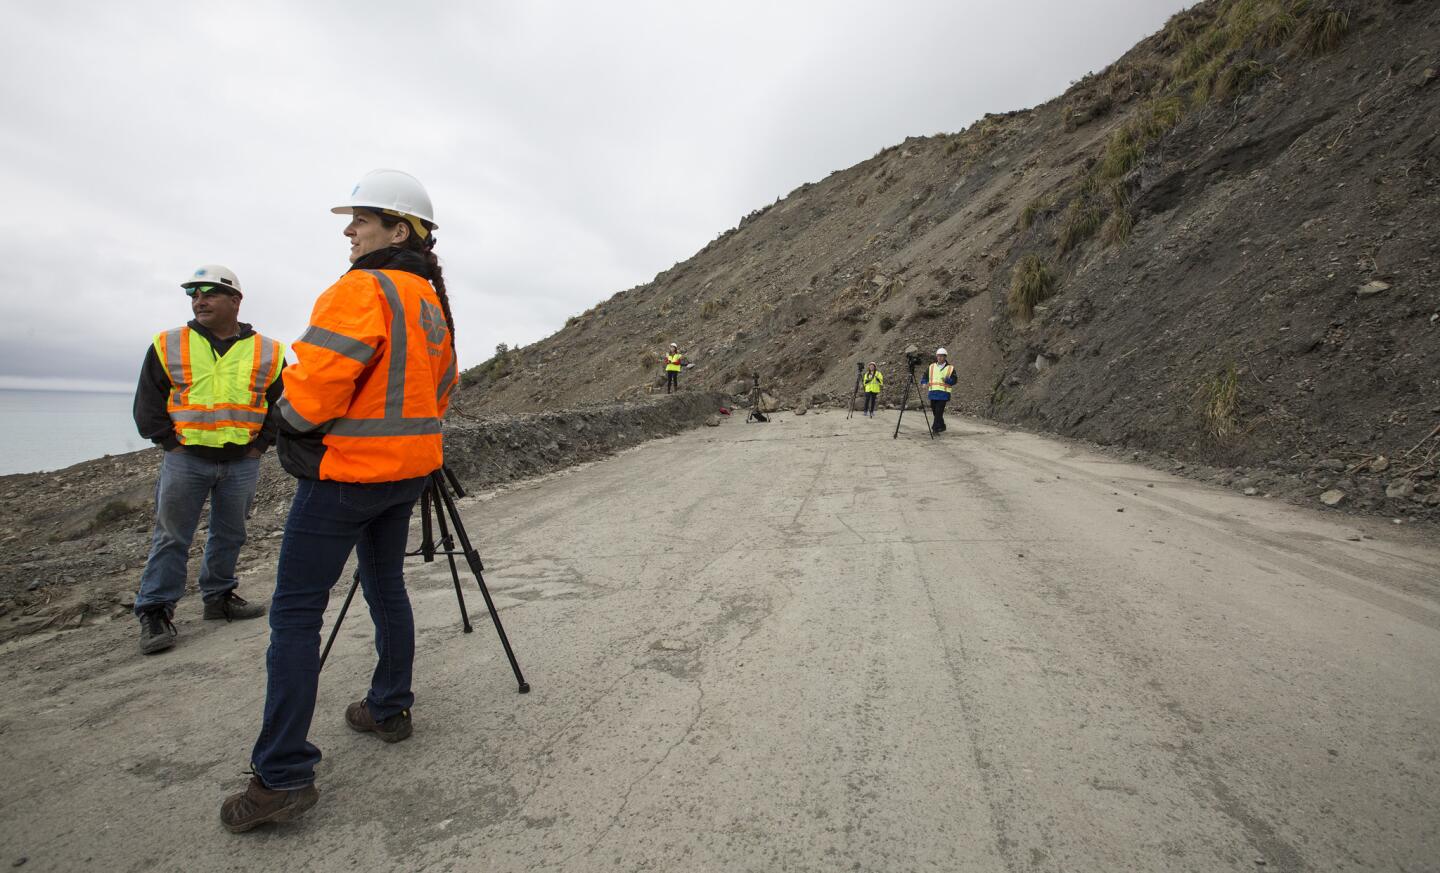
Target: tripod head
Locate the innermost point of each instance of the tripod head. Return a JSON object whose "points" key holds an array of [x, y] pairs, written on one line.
{"points": [[913, 357], [859, 366]]}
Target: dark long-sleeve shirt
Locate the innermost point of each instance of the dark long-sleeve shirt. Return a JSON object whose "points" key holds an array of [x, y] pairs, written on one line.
{"points": [[152, 394]]}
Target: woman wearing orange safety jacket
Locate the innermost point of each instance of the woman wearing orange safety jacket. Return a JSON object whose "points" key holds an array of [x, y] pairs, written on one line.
{"points": [[360, 429]]}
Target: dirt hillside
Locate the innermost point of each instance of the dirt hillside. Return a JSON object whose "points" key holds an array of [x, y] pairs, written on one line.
{"points": [[1220, 249]]}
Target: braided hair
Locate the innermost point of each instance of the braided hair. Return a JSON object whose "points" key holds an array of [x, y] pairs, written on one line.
{"points": [[426, 247]]}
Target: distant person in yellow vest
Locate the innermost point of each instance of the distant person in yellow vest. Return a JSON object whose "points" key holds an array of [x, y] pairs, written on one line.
{"points": [[873, 380], [673, 362], [207, 396], [940, 377]]}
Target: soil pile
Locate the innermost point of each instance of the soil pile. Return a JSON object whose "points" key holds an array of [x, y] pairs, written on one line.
{"points": [[1220, 249], [74, 541]]}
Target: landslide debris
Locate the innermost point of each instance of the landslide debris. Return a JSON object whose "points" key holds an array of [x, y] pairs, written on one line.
{"points": [[1220, 250]]}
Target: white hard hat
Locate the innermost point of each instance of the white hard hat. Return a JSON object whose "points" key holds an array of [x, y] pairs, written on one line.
{"points": [[392, 191], [212, 274], [674, 345], [941, 351]]}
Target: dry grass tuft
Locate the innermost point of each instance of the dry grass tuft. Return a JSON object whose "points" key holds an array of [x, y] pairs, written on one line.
{"points": [[1324, 30], [1035, 210], [1122, 154], [1031, 283], [1275, 29], [1118, 227], [1082, 219], [1238, 78], [1219, 398]]}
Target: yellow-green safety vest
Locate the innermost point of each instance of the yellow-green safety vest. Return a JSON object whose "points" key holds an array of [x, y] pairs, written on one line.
{"points": [[217, 400], [937, 376], [672, 363], [873, 381]]}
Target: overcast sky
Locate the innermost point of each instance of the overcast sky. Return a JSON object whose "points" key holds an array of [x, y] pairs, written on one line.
{"points": [[571, 149]]}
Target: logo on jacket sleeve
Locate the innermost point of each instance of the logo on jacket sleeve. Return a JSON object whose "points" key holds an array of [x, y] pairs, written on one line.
{"points": [[432, 321]]}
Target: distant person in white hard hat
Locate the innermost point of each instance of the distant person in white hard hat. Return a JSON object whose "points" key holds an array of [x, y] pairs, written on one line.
{"points": [[206, 396], [940, 378], [873, 381], [360, 429], [674, 361]]}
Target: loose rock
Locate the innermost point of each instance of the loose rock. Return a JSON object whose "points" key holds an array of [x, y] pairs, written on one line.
{"points": [[1399, 489], [1332, 497]]}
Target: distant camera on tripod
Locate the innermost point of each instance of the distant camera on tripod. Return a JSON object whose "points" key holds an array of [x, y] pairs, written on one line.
{"points": [[914, 359]]}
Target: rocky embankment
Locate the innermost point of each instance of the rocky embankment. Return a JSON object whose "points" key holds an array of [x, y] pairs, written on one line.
{"points": [[74, 541]]}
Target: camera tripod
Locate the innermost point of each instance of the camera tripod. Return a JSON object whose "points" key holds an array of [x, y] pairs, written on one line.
{"points": [[756, 396], [859, 370], [436, 503], [905, 401]]}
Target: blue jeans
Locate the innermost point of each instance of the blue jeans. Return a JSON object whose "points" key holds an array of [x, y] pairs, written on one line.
{"points": [[327, 521], [185, 483]]}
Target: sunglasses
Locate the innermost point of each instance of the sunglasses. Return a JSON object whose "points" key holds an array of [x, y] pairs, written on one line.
{"points": [[209, 289]]}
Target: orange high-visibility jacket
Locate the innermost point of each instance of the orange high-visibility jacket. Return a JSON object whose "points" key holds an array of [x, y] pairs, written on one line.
{"points": [[374, 374]]}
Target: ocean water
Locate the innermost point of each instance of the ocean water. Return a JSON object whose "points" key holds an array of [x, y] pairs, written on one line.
{"points": [[47, 430]]}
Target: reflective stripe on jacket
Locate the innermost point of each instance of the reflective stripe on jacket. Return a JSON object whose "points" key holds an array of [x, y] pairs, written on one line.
{"points": [[672, 363], [873, 382], [374, 375], [217, 400], [940, 378]]}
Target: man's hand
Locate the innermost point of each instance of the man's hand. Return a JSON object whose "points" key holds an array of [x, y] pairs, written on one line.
{"points": [[252, 452], [176, 449]]}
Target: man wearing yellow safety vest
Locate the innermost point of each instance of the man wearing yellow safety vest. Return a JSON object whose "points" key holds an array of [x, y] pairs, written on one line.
{"points": [[206, 396], [940, 377], [673, 362], [874, 380]]}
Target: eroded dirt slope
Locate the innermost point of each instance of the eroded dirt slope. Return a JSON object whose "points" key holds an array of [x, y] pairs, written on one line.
{"points": [[1228, 235]]}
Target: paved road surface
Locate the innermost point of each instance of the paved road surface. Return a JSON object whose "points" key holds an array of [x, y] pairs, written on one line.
{"points": [[803, 646]]}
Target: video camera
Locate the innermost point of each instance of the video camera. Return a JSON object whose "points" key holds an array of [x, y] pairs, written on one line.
{"points": [[913, 356]]}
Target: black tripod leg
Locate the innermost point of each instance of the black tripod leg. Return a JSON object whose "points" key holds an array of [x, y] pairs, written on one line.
{"points": [[427, 535], [345, 607], [904, 401], [454, 482], [472, 557], [447, 545]]}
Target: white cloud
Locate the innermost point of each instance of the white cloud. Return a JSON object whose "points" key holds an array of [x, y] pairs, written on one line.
{"points": [[572, 150]]}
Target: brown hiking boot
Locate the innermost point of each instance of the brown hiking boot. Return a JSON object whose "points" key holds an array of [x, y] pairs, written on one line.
{"points": [[257, 805], [392, 730]]}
